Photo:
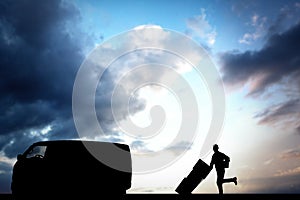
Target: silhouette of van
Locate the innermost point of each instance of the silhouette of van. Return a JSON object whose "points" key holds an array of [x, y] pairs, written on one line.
{"points": [[67, 168]]}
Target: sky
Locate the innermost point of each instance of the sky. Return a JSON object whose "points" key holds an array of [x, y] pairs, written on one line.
{"points": [[52, 56]]}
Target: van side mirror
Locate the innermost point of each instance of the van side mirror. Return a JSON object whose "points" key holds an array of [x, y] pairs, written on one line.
{"points": [[20, 157]]}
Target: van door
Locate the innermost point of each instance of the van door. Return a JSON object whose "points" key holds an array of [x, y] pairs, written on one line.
{"points": [[34, 169]]}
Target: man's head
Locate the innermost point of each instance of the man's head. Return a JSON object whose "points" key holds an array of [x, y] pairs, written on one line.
{"points": [[215, 147]]}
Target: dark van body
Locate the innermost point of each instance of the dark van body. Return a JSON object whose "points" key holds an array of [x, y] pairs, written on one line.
{"points": [[66, 167]]}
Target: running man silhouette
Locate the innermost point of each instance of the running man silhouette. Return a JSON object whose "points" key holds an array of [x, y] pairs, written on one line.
{"points": [[221, 161]]}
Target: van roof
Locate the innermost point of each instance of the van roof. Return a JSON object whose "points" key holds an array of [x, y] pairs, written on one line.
{"points": [[77, 143], [70, 141]]}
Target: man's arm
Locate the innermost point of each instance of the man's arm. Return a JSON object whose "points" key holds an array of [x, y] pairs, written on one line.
{"points": [[226, 157], [212, 162]]}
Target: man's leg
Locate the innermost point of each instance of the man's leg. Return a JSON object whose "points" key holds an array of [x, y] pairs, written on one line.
{"points": [[220, 187], [229, 180], [220, 180]]}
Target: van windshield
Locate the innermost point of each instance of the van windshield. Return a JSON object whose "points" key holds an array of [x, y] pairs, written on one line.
{"points": [[37, 152]]}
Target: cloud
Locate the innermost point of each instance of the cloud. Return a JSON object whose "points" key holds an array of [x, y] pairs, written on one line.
{"points": [[283, 184], [5, 177], [276, 61], [258, 24], [268, 162], [279, 58], [5, 172], [180, 147], [263, 27], [286, 18], [242, 7], [41, 51], [273, 69], [117, 94], [291, 154], [285, 114], [289, 172], [41, 48], [5, 165], [198, 26], [139, 146]]}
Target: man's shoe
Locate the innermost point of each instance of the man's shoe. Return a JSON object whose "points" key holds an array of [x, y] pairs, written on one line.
{"points": [[235, 180]]}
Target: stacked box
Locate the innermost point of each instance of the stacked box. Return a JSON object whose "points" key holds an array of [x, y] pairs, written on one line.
{"points": [[198, 173]]}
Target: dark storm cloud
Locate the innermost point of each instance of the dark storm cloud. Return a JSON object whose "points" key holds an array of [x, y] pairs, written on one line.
{"points": [[4, 166], [287, 109], [277, 63], [13, 144], [38, 56], [41, 49], [279, 58], [283, 20], [5, 176]]}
